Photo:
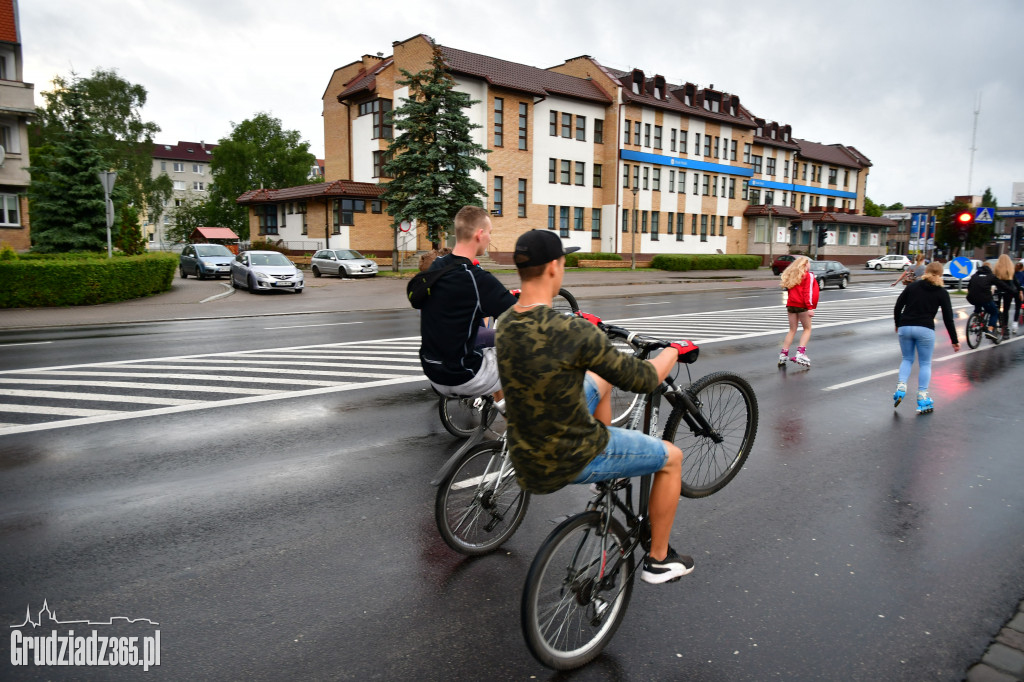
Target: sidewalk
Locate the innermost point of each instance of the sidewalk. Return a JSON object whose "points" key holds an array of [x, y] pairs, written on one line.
{"points": [[191, 299]]}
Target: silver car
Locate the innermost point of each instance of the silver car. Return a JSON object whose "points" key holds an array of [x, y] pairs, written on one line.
{"points": [[343, 263], [265, 270], [205, 260]]}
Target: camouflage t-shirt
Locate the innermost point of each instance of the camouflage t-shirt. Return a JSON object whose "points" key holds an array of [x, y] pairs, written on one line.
{"points": [[542, 359]]}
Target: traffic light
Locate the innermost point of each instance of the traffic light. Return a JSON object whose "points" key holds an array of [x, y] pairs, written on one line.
{"points": [[1019, 230], [964, 220], [822, 235]]}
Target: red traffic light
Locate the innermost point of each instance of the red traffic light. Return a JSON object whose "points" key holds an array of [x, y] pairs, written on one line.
{"points": [[964, 217]]}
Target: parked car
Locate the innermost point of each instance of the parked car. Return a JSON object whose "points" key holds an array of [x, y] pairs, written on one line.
{"points": [[781, 263], [891, 262], [950, 281], [342, 262], [205, 260], [830, 272], [265, 270]]}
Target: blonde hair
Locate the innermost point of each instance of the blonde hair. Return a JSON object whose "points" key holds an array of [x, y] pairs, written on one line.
{"points": [[794, 274], [468, 220], [933, 273], [1003, 268], [920, 259]]}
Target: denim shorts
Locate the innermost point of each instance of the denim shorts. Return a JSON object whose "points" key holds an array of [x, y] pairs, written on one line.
{"points": [[629, 453]]}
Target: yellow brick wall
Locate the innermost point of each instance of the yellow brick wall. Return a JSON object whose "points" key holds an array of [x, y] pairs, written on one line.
{"points": [[18, 238]]}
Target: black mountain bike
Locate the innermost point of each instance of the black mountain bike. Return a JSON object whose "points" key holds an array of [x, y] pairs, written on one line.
{"points": [[977, 322], [580, 582]]}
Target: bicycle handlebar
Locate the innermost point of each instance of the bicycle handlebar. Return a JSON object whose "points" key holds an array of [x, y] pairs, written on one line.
{"points": [[632, 338]]}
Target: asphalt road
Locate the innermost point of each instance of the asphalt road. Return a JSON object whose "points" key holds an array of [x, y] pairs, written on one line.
{"points": [[290, 535]]}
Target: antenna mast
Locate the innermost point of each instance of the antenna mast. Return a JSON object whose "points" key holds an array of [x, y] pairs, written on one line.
{"points": [[974, 148]]}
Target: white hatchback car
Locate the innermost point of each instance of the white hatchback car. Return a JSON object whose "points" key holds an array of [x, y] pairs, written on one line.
{"points": [[890, 262]]}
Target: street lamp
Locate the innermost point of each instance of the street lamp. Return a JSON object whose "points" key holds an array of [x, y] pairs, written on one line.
{"points": [[632, 243]]}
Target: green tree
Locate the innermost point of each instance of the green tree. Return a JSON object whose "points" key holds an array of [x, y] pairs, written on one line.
{"points": [[192, 213], [988, 199], [111, 107], [872, 209], [66, 197], [898, 206], [257, 154], [127, 234], [431, 158], [947, 232]]}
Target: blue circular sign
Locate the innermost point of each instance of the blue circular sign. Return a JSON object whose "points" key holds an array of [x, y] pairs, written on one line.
{"points": [[961, 267]]}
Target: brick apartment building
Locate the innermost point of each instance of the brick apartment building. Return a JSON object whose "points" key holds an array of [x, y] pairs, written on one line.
{"points": [[591, 152], [17, 105]]}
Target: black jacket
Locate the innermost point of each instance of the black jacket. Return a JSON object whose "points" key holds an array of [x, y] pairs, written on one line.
{"points": [[979, 289], [451, 317], [917, 305]]}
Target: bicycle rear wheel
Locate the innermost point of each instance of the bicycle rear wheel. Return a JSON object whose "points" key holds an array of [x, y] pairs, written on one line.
{"points": [[975, 330], [476, 512], [458, 415], [565, 303], [570, 609], [712, 459]]}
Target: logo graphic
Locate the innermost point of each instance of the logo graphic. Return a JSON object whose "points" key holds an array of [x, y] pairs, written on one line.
{"points": [[93, 649]]}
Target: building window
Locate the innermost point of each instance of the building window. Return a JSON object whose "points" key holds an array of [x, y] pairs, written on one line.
{"points": [[770, 165], [846, 179], [197, 168], [785, 168], [647, 173], [563, 221], [625, 137], [693, 225], [498, 182], [595, 223], [552, 171], [553, 124], [376, 206], [746, 152], [707, 145], [179, 185], [551, 217], [732, 188], [682, 141], [9, 210], [706, 187], [625, 175], [668, 223], [643, 222], [499, 111], [672, 141], [657, 137], [636, 134], [636, 176], [179, 167], [581, 128], [566, 171], [716, 146], [581, 169], [378, 162], [757, 164], [732, 150], [625, 220], [647, 134], [655, 216], [577, 219], [656, 180], [566, 125], [197, 186], [671, 181], [833, 176], [703, 228], [523, 118], [597, 175], [268, 219], [378, 109], [348, 209], [679, 227], [598, 131], [522, 198], [696, 144], [696, 183], [163, 166]]}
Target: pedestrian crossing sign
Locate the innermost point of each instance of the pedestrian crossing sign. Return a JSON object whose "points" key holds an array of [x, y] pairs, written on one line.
{"points": [[983, 215]]}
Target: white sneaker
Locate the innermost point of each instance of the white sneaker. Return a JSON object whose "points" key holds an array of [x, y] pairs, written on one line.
{"points": [[1013, 327], [801, 359], [783, 357]]}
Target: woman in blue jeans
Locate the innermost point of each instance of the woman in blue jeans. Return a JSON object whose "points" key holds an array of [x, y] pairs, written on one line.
{"points": [[914, 314]]}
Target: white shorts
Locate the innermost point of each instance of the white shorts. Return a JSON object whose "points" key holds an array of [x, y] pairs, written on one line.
{"points": [[485, 382]]}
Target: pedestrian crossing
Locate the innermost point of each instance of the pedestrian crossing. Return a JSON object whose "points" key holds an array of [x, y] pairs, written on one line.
{"points": [[54, 397]]}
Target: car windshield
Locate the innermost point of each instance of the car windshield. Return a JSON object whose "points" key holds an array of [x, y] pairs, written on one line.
{"points": [[818, 265], [346, 254], [269, 259], [212, 250]]}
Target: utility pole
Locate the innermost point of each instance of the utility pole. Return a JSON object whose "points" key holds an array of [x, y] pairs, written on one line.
{"points": [[107, 179], [632, 243], [974, 148]]}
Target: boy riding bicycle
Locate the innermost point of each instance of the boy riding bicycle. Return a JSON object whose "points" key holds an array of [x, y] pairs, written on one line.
{"points": [[555, 372]]}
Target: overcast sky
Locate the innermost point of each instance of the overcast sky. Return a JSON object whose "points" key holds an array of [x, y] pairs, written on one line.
{"points": [[897, 79]]}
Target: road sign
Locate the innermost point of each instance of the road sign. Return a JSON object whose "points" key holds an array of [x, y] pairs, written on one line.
{"points": [[983, 215], [961, 267]]}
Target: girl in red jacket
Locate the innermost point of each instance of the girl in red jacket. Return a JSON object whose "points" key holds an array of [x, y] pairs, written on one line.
{"points": [[800, 304]]}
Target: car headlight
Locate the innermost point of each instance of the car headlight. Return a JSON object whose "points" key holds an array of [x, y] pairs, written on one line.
{"points": [[261, 275]]}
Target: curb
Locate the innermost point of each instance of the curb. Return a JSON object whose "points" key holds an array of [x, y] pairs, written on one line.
{"points": [[1003, 660]]}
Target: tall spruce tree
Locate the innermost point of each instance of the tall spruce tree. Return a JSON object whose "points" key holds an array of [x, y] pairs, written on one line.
{"points": [[431, 158], [66, 197]]}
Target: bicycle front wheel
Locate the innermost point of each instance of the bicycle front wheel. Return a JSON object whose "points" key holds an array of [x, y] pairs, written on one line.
{"points": [[975, 330], [565, 303], [479, 504], [459, 416], [712, 458], [577, 591]]}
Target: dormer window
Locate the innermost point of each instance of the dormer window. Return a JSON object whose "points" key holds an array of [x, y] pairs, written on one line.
{"points": [[760, 131], [636, 88], [714, 105], [773, 133], [638, 81], [785, 136], [657, 93]]}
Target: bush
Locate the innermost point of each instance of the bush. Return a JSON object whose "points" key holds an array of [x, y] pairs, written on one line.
{"points": [[83, 279], [573, 259], [708, 261], [264, 245]]}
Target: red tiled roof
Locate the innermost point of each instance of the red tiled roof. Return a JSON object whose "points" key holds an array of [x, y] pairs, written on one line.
{"points": [[365, 80], [522, 78], [673, 100], [8, 22], [215, 233], [848, 219], [835, 154], [762, 210], [184, 151], [338, 188]]}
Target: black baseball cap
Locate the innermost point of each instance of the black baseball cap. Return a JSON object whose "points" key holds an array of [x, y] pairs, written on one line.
{"points": [[538, 247]]}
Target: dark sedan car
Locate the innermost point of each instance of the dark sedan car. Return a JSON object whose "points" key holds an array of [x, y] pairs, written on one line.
{"points": [[830, 272], [782, 262]]}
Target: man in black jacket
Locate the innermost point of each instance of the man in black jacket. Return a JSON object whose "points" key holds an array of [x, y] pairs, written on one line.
{"points": [[454, 357], [979, 293]]}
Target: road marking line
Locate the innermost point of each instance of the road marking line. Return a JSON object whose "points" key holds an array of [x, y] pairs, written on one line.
{"points": [[64, 411], [303, 326], [24, 343], [653, 303], [230, 377], [156, 387], [96, 397]]}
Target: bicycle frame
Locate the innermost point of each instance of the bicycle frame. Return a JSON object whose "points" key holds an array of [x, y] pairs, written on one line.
{"points": [[477, 437]]}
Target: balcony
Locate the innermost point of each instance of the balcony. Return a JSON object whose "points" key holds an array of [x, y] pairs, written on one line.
{"points": [[16, 98]]}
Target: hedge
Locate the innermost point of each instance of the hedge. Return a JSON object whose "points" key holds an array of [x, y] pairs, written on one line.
{"points": [[709, 261], [572, 259], [83, 279]]}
